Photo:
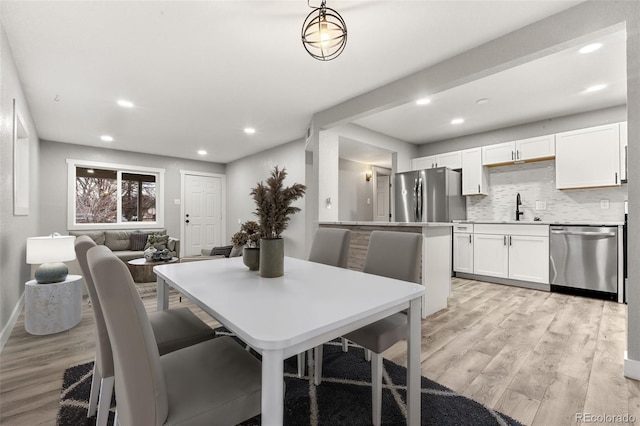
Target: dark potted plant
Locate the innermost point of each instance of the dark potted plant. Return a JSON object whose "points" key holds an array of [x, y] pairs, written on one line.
{"points": [[274, 210], [249, 237]]}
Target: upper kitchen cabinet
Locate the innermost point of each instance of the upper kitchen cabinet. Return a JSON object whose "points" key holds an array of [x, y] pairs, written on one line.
{"points": [[453, 160], [538, 148], [623, 151], [475, 177], [588, 158]]}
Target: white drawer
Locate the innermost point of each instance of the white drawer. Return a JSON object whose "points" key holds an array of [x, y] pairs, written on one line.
{"points": [[512, 229], [463, 228]]}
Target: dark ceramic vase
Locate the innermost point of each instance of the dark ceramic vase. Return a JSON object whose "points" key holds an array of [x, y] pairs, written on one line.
{"points": [[271, 257], [251, 258]]}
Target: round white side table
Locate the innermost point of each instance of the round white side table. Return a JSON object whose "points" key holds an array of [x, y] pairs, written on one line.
{"points": [[52, 308]]}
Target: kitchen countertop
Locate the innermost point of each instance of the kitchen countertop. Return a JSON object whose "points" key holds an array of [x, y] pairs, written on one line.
{"points": [[532, 222], [372, 223]]}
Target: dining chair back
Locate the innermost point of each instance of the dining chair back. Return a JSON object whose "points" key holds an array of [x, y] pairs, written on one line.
{"points": [[212, 382], [331, 247], [394, 255]]}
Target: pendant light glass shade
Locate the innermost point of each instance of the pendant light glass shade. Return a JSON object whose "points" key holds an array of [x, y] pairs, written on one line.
{"points": [[324, 33]]}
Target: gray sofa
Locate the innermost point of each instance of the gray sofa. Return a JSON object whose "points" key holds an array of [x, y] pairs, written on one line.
{"points": [[120, 241]]}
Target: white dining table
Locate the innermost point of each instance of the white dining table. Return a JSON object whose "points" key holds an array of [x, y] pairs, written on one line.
{"points": [[309, 305]]}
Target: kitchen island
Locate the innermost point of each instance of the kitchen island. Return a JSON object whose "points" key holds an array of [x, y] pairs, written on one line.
{"points": [[436, 254]]}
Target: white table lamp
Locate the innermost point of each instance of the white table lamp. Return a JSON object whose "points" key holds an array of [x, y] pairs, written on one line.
{"points": [[50, 252]]}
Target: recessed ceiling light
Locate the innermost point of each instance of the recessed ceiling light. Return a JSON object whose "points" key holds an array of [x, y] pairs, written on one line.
{"points": [[125, 104], [202, 152], [595, 88], [249, 130], [106, 138], [482, 101], [590, 48], [457, 121], [423, 101], [90, 171]]}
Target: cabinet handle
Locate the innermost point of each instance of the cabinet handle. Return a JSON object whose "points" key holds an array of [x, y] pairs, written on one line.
{"points": [[512, 156], [517, 154], [469, 238], [478, 188], [616, 178], [509, 239], [504, 240]]}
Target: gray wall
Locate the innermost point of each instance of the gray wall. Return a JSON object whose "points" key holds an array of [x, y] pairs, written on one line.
{"points": [[538, 128], [14, 230], [354, 191], [53, 168], [243, 174]]}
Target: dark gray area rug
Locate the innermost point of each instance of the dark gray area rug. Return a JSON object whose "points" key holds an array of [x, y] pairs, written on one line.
{"points": [[343, 398]]}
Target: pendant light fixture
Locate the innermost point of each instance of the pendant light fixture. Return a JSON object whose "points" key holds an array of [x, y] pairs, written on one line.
{"points": [[324, 33]]}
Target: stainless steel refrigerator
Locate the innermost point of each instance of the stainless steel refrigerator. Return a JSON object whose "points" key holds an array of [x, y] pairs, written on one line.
{"points": [[430, 195]]}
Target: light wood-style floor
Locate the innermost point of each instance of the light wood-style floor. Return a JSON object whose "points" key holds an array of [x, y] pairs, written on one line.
{"points": [[538, 357]]}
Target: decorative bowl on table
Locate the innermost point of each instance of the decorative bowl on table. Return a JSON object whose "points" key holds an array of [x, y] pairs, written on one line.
{"points": [[154, 255]]}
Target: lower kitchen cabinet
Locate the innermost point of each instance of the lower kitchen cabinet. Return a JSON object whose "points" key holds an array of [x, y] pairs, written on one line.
{"points": [[516, 252], [491, 255], [529, 258], [463, 252]]}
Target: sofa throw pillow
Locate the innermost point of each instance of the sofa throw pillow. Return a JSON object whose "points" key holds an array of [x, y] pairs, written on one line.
{"points": [[138, 240], [157, 241], [236, 251], [225, 251]]}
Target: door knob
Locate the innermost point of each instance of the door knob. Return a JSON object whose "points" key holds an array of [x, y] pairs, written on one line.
{"points": [[186, 221]]}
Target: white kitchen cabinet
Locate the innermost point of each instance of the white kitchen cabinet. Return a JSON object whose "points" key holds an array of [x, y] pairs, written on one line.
{"points": [[500, 153], [463, 248], [517, 252], [491, 255], [623, 150], [588, 157], [421, 163], [475, 177], [537, 148], [529, 258], [453, 160]]}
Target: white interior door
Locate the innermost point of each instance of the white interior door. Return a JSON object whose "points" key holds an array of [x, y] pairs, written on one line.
{"points": [[381, 213], [202, 213]]}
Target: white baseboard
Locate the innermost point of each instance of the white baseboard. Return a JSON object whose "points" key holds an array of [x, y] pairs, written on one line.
{"points": [[631, 367], [8, 328]]}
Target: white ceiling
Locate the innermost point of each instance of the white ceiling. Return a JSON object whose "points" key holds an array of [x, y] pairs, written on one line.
{"points": [[548, 87], [199, 72]]}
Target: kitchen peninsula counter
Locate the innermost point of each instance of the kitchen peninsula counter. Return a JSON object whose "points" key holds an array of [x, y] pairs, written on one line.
{"points": [[436, 254]]}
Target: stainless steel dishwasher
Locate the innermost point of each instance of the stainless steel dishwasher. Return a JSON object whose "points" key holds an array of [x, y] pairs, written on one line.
{"points": [[584, 257]]}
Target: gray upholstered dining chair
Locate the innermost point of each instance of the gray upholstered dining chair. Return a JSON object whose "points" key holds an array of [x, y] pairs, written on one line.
{"points": [[393, 255], [331, 247], [212, 382], [173, 329]]}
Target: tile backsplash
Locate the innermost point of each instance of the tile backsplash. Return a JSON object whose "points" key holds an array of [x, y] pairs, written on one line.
{"points": [[536, 184]]}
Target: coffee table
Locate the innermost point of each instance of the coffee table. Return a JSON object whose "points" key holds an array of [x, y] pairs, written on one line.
{"points": [[142, 270]]}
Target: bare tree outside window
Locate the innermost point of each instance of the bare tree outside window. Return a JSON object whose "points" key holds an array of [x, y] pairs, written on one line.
{"points": [[96, 192], [138, 198], [96, 196]]}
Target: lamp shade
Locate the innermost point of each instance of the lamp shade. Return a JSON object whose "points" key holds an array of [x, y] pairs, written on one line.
{"points": [[53, 248]]}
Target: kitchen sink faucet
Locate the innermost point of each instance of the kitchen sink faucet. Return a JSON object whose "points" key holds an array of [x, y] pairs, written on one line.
{"points": [[518, 204]]}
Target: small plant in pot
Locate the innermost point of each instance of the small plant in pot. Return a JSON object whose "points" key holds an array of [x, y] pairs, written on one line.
{"points": [[249, 237], [274, 210]]}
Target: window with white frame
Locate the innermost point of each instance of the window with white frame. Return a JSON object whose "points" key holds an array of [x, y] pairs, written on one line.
{"points": [[103, 195]]}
